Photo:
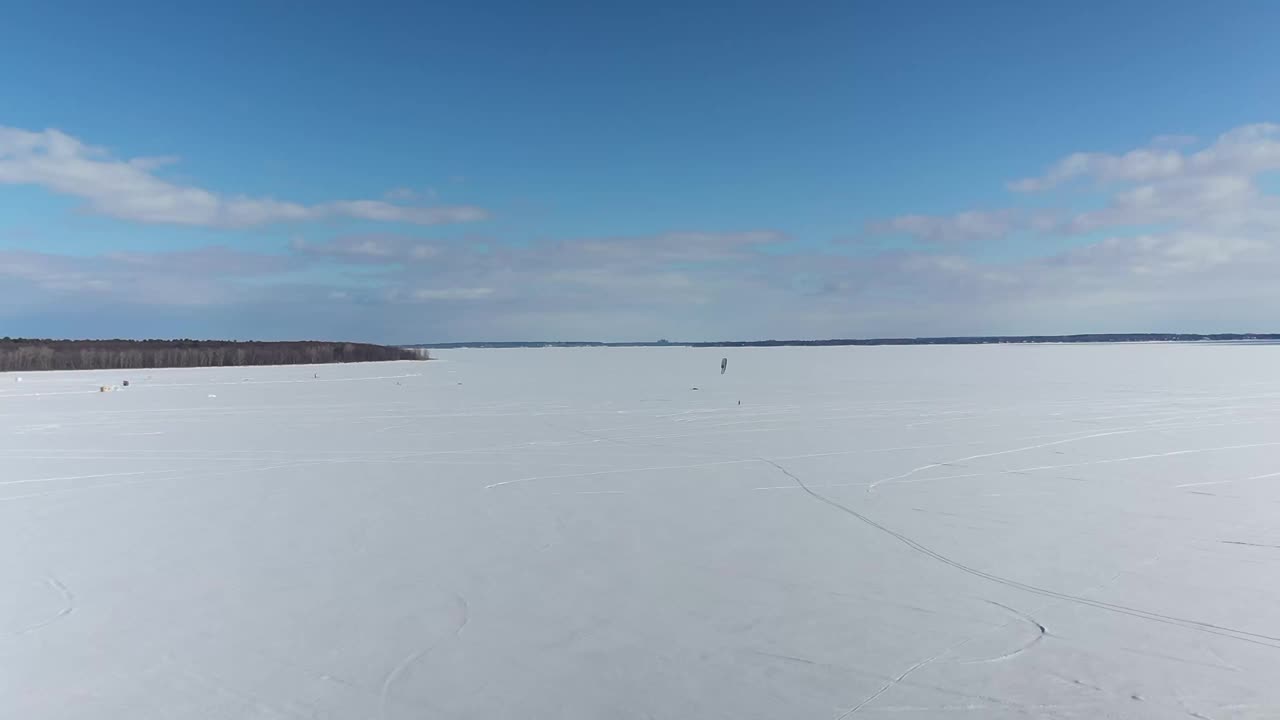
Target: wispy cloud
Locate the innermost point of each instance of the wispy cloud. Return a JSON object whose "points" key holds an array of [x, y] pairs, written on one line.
{"points": [[967, 226], [207, 276], [130, 189], [1192, 207], [469, 293], [401, 193], [375, 249], [406, 194], [672, 246], [1178, 235], [970, 226], [1211, 192], [1141, 164], [1243, 152]]}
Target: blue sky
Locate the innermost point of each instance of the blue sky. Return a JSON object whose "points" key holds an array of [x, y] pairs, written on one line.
{"points": [[404, 171]]}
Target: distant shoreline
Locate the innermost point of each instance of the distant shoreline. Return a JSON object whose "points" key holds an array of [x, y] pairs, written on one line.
{"points": [[27, 355], [958, 340]]}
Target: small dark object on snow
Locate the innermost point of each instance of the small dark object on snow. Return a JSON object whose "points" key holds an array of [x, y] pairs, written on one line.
{"points": [[693, 388], [125, 383], [724, 363]]}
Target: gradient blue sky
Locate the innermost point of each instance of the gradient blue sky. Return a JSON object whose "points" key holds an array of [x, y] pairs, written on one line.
{"points": [[415, 172]]}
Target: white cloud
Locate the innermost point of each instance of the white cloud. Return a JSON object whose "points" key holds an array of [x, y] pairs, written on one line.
{"points": [[669, 247], [1219, 202], [1167, 254], [1168, 191], [565, 290], [204, 277], [385, 248], [130, 190], [1214, 189], [1190, 241], [967, 226], [1142, 164], [970, 226], [370, 247], [428, 294], [1211, 194], [1244, 151], [406, 194], [386, 212]]}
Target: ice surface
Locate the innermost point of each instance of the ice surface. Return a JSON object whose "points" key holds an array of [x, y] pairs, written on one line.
{"points": [[882, 532]]}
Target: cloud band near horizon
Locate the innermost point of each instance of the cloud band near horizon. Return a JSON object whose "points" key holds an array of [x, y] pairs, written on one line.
{"points": [[1175, 235]]}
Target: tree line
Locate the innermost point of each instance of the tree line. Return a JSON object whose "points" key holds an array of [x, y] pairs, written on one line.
{"points": [[25, 355]]}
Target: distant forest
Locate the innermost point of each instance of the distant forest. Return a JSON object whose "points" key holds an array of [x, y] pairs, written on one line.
{"points": [[27, 355], [972, 340]]}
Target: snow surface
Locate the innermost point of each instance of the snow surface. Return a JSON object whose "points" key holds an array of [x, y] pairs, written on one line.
{"points": [[884, 532]]}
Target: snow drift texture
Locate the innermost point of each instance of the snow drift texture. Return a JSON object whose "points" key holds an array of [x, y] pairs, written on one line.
{"points": [[905, 532]]}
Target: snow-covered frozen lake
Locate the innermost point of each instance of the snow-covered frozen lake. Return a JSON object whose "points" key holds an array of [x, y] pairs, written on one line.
{"points": [[886, 532]]}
